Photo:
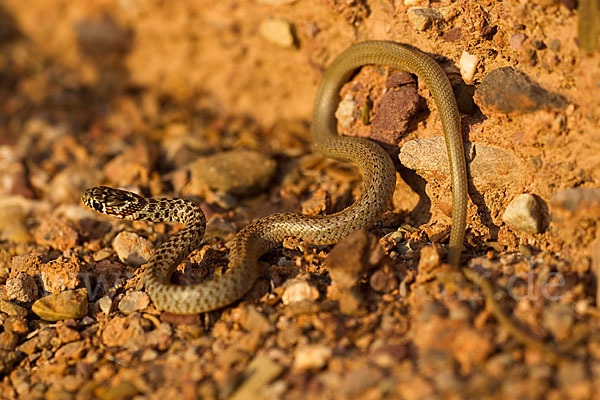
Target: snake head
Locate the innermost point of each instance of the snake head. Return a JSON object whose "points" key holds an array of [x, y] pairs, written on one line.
{"points": [[113, 202]]}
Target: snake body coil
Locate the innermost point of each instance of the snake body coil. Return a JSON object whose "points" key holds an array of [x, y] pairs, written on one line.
{"points": [[266, 233]]}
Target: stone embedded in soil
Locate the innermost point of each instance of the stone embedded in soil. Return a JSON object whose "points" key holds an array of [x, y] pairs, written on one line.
{"points": [[277, 31], [21, 287], [353, 256], [421, 18], [133, 301], [70, 304], [297, 290], [576, 200], [9, 308], [57, 234], [311, 357], [132, 249], [491, 167], [524, 213], [507, 91], [61, 274], [392, 114], [236, 172], [558, 318], [105, 303], [468, 66]]}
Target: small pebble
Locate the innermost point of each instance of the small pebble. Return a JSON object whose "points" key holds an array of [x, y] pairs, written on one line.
{"points": [[132, 249], [56, 234], [524, 214], [8, 340], [21, 287], [345, 111], [354, 255], [468, 66], [299, 290], [12, 309], [235, 172], [311, 357], [105, 304], [558, 319], [133, 301], [61, 274], [70, 304], [277, 31], [516, 41], [259, 372], [421, 18]]}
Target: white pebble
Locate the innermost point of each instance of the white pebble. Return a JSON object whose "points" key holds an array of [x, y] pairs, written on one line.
{"points": [[311, 357], [132, 249], [278, 31], [468, 65], [524, 213], [299, 290], [345, 111]]}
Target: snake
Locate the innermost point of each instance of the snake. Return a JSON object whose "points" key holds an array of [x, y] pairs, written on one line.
{"points": [[264, 234]]}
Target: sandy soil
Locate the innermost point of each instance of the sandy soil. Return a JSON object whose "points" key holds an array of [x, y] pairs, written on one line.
{"points": [[131, 94]]}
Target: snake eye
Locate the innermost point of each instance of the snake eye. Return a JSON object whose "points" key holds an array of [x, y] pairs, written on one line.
{"points": [[96, 206]]}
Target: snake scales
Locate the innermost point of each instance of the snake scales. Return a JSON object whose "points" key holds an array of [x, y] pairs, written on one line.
{"points": [[261, 235]]}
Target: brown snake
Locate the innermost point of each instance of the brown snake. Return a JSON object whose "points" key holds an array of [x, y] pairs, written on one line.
{"points": [[261, 235]]}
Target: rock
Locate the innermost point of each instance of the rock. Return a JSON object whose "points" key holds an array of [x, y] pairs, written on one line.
{"points": [[253, 321], [133, 301], [67, 334], [491, 167], [353, 256], [9, 308], [357, 381], [236, 172], [524, 214], [131, 168], [120, 330], [21, 287], [558, 319], [421, 18], [468, 66], [345, 111], [105, 304], [70, 351], [576, 200], [70, 304], [516, 41], [259, 372], [61, 274], [392, 114], [297, 290], [383, 281], [311, 357], [277, 31], [507, 91], [8, 340], [57, 234], [132, 249]]}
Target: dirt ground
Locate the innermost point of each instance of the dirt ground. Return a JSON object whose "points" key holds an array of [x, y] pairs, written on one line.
{"points": [[143, 96]]}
